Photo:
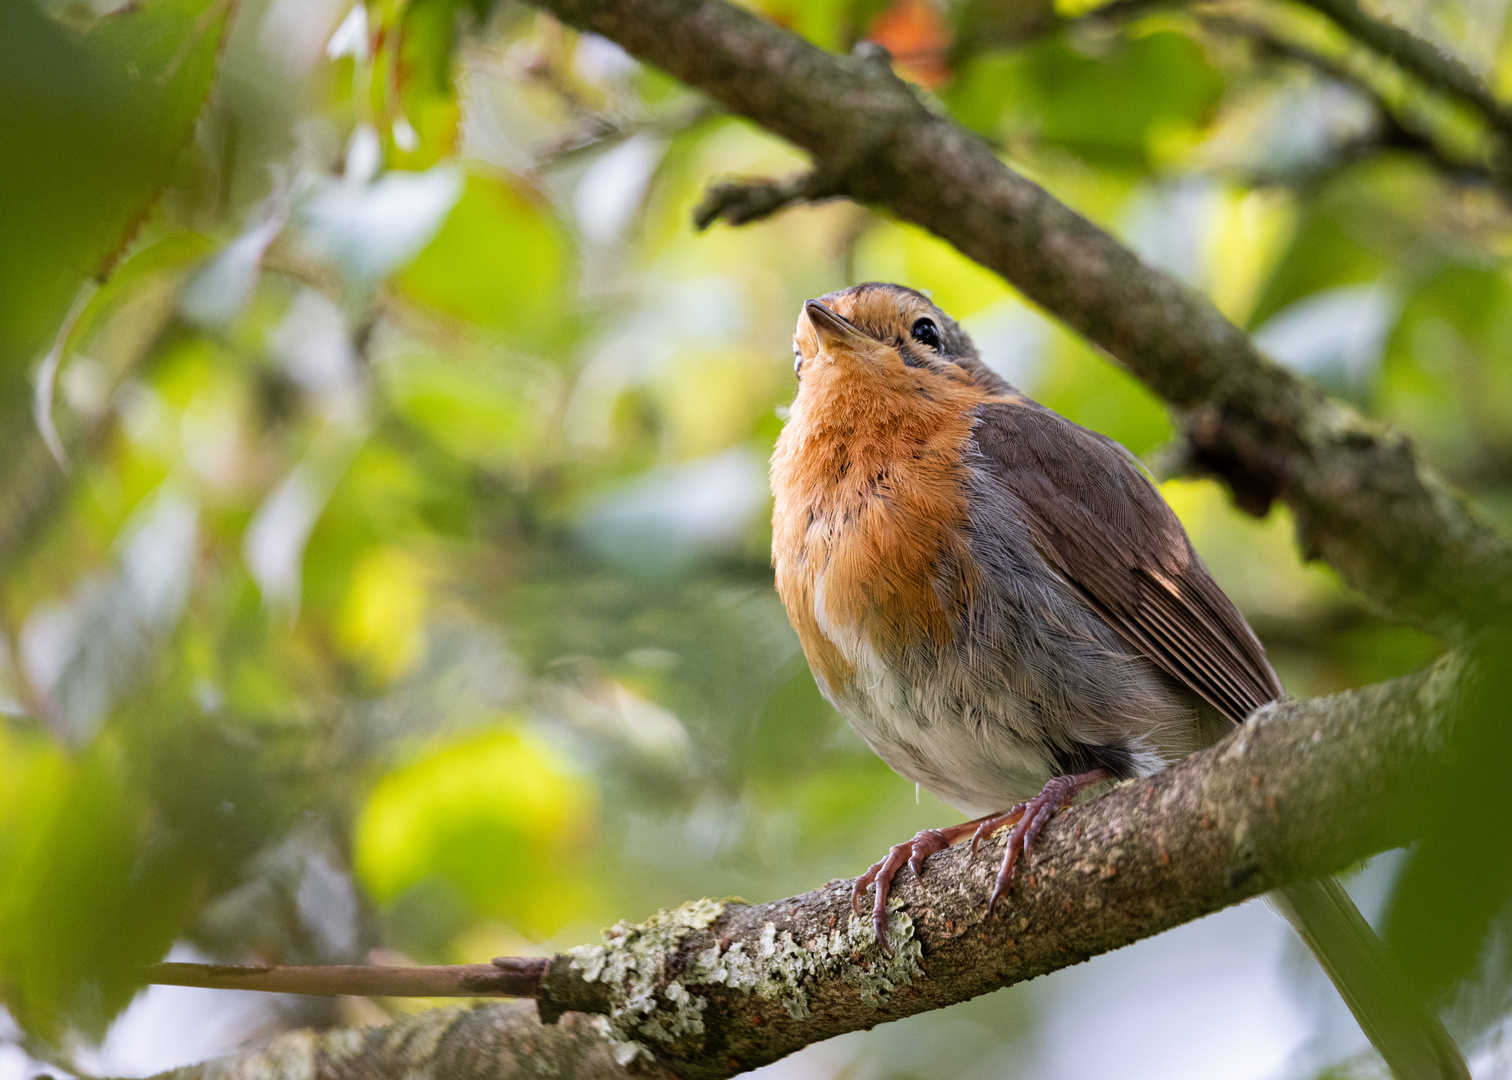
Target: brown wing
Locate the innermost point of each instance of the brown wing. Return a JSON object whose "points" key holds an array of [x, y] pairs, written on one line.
{"points": [[1101, 524]]}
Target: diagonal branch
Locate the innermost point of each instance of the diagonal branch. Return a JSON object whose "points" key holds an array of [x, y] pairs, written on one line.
{"points": [[1361, 498], [1399, 129], [714, 988], [1441, 70]]}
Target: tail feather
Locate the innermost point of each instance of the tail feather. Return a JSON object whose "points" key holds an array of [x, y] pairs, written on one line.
{"points": [[1410, 1038]]}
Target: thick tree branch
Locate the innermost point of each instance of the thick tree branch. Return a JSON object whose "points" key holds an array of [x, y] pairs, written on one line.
{"points": [[1362, 500], [714, 988]]}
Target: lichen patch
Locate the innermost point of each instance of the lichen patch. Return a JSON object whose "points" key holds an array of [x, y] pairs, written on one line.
{"points": [[780, 969], [775, 966], [630, 962]]}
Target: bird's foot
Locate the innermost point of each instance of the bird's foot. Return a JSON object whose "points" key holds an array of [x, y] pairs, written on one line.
{"points": [[1028, 820], [913, 852]]}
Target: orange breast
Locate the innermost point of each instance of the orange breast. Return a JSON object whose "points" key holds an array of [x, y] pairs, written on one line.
{"points": [[868, 527]]}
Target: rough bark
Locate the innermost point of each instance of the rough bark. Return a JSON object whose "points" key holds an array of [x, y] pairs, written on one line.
{"points": [[715, 988], [1362, 500]]}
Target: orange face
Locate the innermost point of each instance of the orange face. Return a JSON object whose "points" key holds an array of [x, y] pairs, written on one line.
{"points": [[886, 330], [869, 514]]}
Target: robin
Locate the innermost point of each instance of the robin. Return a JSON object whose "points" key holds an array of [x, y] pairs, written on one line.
{"points": [[1005, 609]]}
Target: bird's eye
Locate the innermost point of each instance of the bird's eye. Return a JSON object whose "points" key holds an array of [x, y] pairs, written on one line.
{"points": [[926, 333]]}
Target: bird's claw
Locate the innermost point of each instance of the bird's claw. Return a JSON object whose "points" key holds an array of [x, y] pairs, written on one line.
{"points": [[1027, 818], [911, 852]]}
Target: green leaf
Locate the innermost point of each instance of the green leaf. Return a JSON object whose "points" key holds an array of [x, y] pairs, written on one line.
{"points": [[65, 877], [92, 124], [1458, 879], [500, 261], [492, 816], [1354, 228], [1107, 108]]}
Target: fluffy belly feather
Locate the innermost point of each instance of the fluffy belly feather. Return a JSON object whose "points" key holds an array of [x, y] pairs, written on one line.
{"points": [[1019, 693]]}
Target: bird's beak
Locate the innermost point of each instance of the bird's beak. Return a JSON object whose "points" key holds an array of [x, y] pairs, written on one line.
{"points": [[832, 329]]}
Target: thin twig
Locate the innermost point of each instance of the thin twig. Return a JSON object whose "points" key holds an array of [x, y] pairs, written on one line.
{"points": [[508, 976], [744, 201]]}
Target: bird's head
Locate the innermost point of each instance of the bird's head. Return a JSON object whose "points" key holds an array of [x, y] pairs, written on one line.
{"points": [[880, 329]]}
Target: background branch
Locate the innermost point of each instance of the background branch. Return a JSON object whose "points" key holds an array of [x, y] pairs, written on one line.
{"points": [[1398, 128], [745, 201], [509, 976], [1430, 63]]}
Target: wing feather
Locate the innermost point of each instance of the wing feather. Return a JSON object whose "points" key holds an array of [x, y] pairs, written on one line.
{"points": [[1098, 520]]}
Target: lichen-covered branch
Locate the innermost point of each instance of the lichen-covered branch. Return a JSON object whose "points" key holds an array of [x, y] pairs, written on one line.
{"points": [[715, 988], [1362, 499]]}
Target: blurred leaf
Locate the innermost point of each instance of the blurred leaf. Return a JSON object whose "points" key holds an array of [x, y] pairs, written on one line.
{"points": [[500, 260], [382, 623], [98, 120], [1356, 227], [1447, 373], [1106, 107], [428, 34], [488, 417], [1459, 876], [77, 904], [498, 816]]}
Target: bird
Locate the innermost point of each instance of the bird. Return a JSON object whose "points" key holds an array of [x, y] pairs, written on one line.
{"points": [[1005, 609]]}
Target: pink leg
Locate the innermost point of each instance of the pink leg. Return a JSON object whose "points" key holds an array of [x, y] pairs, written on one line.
{"points": [[913, 852], [1028, 819]]}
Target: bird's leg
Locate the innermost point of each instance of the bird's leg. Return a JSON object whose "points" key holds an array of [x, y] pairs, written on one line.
{"points": [[913, 852], [1027, 819]]}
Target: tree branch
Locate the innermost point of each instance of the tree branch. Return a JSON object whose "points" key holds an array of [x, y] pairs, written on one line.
{"points": [[1429, 62], [1398, 129], [1361, 499], [508, 976], [1302, 789], [741, 202]]}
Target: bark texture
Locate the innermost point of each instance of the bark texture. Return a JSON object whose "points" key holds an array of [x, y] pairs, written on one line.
{"points": [[714, 988], [1362, 500]]}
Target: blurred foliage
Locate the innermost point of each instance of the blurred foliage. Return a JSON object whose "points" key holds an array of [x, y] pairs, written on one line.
{"points": [[407, 587]]}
